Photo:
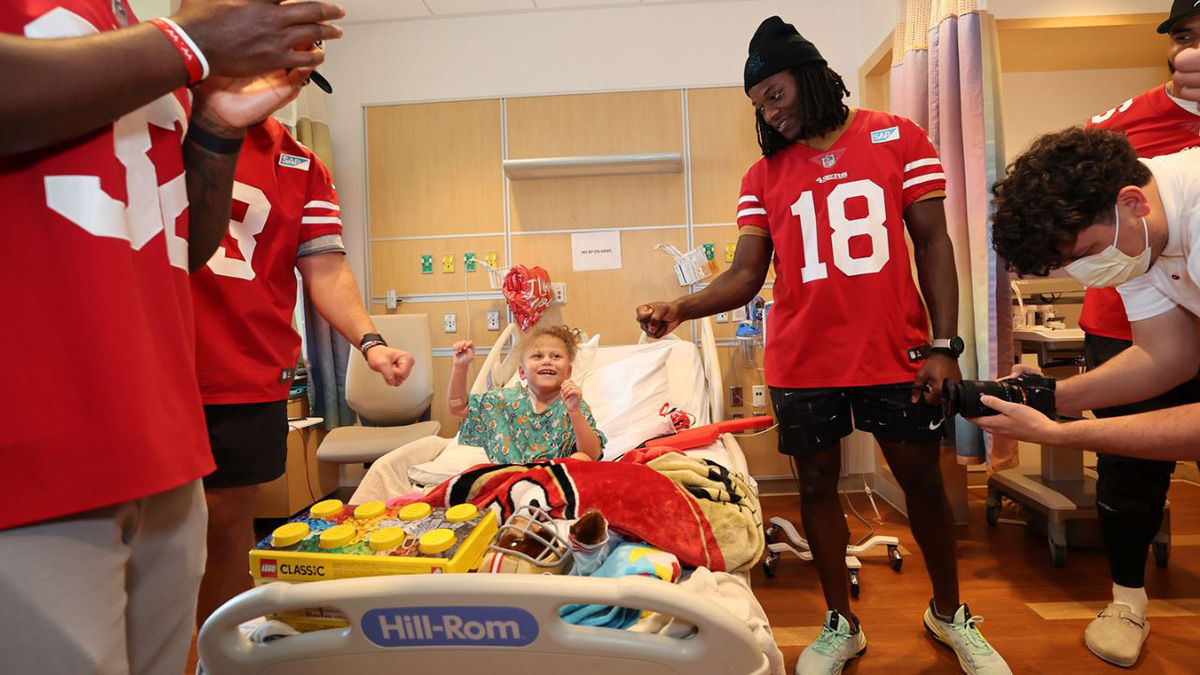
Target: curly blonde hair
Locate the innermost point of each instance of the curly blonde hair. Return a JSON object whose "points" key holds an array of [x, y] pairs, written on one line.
{"points": [[567, 335]]}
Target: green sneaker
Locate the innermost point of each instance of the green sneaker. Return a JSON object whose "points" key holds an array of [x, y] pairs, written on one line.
{"points": [[962, 635], [836, 645]]}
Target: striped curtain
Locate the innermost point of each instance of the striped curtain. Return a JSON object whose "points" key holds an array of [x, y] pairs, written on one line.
{"points": [[328, 352], [946, 77]]}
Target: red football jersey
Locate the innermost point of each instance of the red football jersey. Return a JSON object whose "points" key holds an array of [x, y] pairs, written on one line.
{"points": [[284, 204], [1156, 125], [101, 389], [846, 308]]}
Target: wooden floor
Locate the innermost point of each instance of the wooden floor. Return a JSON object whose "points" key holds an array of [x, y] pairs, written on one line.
{"points": [[1006, 577]]}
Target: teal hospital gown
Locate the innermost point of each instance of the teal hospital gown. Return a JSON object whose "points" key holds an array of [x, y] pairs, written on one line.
{"points": [[503, 423]]}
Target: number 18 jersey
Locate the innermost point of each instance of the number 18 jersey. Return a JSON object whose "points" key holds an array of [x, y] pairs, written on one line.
{"points": [[846, 307]]}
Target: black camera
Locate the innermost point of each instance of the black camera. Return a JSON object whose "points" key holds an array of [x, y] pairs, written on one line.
{"points": [[962, 398]]}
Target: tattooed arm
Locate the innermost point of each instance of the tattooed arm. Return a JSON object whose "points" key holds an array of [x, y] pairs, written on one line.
{"points": [[209, 190]]}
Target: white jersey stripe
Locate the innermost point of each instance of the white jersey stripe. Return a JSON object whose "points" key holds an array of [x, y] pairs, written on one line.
{"points": [[923, 179], [318, 204], [751, 212], [320, 220], [748, 198], [929, 161]]}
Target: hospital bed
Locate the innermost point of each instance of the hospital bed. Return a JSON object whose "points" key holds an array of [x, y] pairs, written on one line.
{"points": [[509, 622]]}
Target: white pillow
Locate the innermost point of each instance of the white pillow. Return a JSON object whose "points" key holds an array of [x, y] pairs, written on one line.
{"points": [[686, 385], [625, 397], [453, 460]]}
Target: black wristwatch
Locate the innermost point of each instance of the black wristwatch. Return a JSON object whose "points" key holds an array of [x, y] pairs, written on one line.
{"points": [[952, 347], [370, 340]]}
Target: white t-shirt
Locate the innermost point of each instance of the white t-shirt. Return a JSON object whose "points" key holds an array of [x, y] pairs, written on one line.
{"points": [[1172, 279]]}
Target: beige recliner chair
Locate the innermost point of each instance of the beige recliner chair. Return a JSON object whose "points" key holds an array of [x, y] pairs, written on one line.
{"points": [[391, 416]]}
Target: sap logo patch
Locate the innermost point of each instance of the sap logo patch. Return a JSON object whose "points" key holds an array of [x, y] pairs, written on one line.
{"points": [[450, 626], [294, 162], [268, 568], [885, 135]]}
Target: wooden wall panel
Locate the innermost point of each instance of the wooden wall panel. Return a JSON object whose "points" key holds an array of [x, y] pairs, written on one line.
{"points": [[762, 451], [441, 339], [597, 124], [598, 201], [618, 123], [396, 265], [422, 159], [723, 146], [605, 301]]}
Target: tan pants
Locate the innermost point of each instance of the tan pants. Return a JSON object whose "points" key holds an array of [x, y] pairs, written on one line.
{"points": [[110, 591]]}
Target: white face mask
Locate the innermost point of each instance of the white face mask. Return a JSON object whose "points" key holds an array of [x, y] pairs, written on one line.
{"points": [[1112, 266]]}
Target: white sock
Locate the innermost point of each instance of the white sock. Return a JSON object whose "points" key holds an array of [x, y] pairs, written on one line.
{"points": [[1134, 598]]}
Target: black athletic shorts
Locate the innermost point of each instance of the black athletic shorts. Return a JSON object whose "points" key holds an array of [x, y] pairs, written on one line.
{"points": [[249, 442], [811, 420]]}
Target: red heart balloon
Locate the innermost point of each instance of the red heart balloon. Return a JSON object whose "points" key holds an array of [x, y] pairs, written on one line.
{"points": [[528, 293]]}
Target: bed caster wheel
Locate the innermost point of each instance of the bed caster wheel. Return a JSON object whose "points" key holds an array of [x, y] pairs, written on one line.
{"points": [[1058, 555], [1162, 553], [770, 564], [894, 556], [993, 513], [773, 533], [854, 586]]}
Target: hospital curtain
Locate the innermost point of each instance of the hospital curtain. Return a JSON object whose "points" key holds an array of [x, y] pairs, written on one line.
{"points": [[946, 77], [328, 352]]}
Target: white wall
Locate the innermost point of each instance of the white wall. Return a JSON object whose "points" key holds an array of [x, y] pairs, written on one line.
{"points": [[876, 19], [1014, 9], [152, 9], [629, 47], [1027, 115]]}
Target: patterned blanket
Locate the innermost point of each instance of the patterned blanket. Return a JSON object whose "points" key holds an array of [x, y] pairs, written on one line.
{"points": [[696, 509]]}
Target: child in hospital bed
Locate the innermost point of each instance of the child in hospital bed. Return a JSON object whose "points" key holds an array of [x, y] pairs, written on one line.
{"points": [[545, 419]]}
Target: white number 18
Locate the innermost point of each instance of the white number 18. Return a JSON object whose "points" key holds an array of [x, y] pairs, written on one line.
{"points": [[872, 225]]}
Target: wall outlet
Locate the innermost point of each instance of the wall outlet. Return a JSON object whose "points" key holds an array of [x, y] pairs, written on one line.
{"points": [[468, 262], [758, 396], [392, 299], [735, 397], [560, 292], [450, 322], [448, 263], [493, 320], [490, 259], [426, 263], [723, 317], [730, 249]]}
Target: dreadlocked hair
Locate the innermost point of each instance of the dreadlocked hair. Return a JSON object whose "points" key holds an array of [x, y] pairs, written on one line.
{"points": [[568, 336], [820, 92]]}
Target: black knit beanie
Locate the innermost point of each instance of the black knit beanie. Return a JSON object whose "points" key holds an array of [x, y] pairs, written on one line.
{"points": [[775, 47]]}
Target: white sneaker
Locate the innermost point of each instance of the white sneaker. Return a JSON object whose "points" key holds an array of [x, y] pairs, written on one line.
{"points": [[836, 645], [975, 655], [1117, 634]]}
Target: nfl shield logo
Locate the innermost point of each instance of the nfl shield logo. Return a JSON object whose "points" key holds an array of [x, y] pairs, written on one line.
{"points": [[828, 161]]}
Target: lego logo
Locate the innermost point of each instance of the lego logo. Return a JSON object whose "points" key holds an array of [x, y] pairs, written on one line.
{"points": [[268, 569]]}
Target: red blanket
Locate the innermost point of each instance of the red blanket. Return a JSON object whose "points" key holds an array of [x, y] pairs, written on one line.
{"points": [[638, 502]]}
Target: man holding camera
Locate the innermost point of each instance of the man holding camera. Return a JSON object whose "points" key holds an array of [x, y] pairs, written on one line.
{"points": [[1053, 211], [1131, 492]]}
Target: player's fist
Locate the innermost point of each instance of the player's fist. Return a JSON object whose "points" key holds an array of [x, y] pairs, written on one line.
{"points": [[1187, 74], [243, 38], [464, 353], [658, 318], [572, 396], [393, 364]]}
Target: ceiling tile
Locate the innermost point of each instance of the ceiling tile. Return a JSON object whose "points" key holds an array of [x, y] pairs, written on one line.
{"points": [[477, 6], [551, 4], [381, 10]]}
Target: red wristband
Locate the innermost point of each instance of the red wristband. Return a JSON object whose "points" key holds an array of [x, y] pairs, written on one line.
{"points": [[193, 58]]}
